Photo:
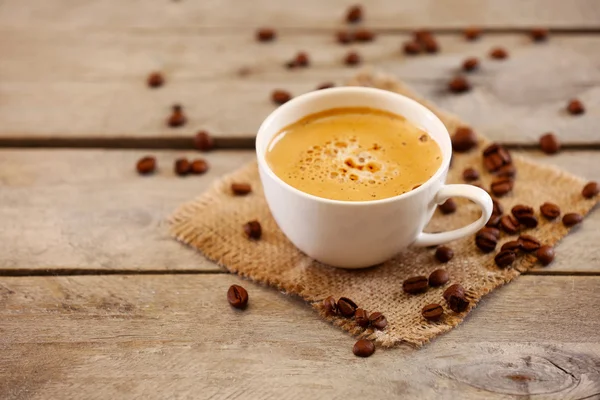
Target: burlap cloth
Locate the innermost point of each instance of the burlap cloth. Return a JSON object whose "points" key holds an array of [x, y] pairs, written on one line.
{"points": [[212, 223]]}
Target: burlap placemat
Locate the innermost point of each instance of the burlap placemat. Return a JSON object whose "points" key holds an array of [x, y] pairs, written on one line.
{"points": [[212, 223]]}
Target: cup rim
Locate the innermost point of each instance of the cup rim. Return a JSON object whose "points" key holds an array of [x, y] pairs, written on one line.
{"points": [[262, 162]]}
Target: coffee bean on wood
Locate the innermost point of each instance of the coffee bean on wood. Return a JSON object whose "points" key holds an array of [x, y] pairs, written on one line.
{"points": [[352, 58], [265, 35], [549, 143], [459, 84], [237, 296], [198, 166], [177, 117], [182, 166], [155, 80], [498, 53], [146, 165], [545, 255], [363, 348], [472, 33], [470, 64], [203, 141], [280, 96], [575, 107], [354, 14]]}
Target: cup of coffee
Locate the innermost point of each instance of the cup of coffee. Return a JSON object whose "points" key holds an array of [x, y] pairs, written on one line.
{"points": [[352, 175]]}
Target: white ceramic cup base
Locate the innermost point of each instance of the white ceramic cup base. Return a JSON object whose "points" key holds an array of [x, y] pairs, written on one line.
{"points": [[358, 234]]}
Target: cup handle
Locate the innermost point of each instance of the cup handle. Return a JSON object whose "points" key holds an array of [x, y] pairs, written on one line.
{"points": [[473, 193]]}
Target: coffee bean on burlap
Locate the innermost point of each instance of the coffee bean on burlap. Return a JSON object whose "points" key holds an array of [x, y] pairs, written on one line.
{"points": [[346, 307], [363, 348], [495, 156], [507, 171], [590, 190], [509, 224], [253, 229], [550, 210], [415, 284], [439, 277], [486, 241], [444, 254], [455, 288], [545, 255], [330, 305], [361, 317], [572, 219], [470, 174], [502, 186], [464, 139], [529, 243], [378, 320], [448, 207], [432, 312], [505, 258], [514, 245]]}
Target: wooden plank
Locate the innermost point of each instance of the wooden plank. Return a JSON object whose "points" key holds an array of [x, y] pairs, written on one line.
{"points": [[308, 14], [176, 336], [56, 84]]}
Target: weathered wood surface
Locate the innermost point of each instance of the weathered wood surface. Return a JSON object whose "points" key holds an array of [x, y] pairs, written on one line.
{"points": [[164, 15], [175, 336], [92, 84], [89, 209]]}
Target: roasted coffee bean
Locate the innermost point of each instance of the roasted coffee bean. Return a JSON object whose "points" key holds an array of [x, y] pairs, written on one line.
{"points": [[455, 289], [301, 59], [529, 243], [155, 80], [412, 48], [590, 190], [146, 165], [545, 255], [265, 35], [498, 209], [459, 84], [509, 224], [253, 230], [363, 348], [470, 64], [280, 96], [472, 33], [572, 219], [470, 174], [444, 254], [521, 210], [507, 171], [352, 58], [494, 221], [575, 107], [432, 312], [330, 306], [361, 317], [203, 141], [177, 117], [182, 166], [354, 14], [492, 231], [505, 258], [529, 221], [498, 53], [549, 143], [346, 307], [237, 296], [486, 241], [378, 320], [448, 207], [326, 85], [430, 44], [415, 284], [439, 277], [198, 166], [344, 37], [502, 186], [539, 34], [364, 35], [457, 303], [422, 35], [241, 189], [514, 245], [495, 156], [550, 210], [464, 139]]}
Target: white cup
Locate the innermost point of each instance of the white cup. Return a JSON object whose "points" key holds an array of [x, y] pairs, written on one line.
{"points": [[357, 234]]}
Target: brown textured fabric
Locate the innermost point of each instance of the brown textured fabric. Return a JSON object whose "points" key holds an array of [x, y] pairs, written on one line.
{"points": [[213, 223]]}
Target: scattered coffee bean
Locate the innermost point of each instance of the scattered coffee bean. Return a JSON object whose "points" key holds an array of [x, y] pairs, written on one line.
{"points": [[470, 174], [539, 34], [415, 284], [448, 207], [280, 96], [146, 165], [521, 210], [346, 307], [497, 207], [361, 317], [439, 277], [325, 85], [253, 230], [498, 53], [545, 255], [198, 166], [412, 48], [363, 348], [470, 64], [509, 224], [529, 243], [378, 320], [550, 210], [502, 186], [575, 107], [182, 166], [203, 141], [472, 33], [364, 35], [352, 58], [590, 190], [241, 189], [430, 44], [492, 231], [344, 37], [265, 35], [421, 35], [507, 171], [455, 297], [237, 296], [301, 59], [432, 312], [505, 258], [529, 221], [354, 14], [493, 221], [155, 80], [177, 117], [571, 219], [549, 143], [486, 241], [459, 84], [444, 254], [464, 139], [330, 306], [495, 157], [514, 245], [456, 289]]}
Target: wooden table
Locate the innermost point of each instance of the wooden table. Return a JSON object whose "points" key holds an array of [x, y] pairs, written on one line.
{"points": [[97, 301]]}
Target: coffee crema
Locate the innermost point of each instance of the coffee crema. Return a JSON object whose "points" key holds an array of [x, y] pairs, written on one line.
{"points": [[353, 154]]}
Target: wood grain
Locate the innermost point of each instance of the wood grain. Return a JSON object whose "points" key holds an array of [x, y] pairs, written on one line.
{"points": [[176, 336]]}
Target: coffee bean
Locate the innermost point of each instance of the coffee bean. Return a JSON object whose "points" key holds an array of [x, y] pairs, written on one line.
{"points": [[203, 141], [521, 210], [346, 307], [509, 224], [444, 254], [344, 37], [498, 53], [529, 243], [155, 80], [241, 189], [492, 231], [507, 171], [539, 34], [265, 35], [529, 221], [364, 35], [459, 84], [361, 317], [432, 312], [330, 306], [177, 117], [253, 230], [378, 320], [421, 35], [439, 277], [455, 289], [411, 48], [470, 174], [590, 190], [354, 14], [545, 255], [472, 33], [502, 186], [470, 64], [514, 245], [146, 165], [301, 59], [237, 296], [430, 44], [352, 58], [493, 221], [575, 107], [550, 210], [448, 207], [280, 96], [198, 167], [498, 209], [325, 85], [486, 241], [572, 219], [549, 143], [464, 139], [363, 348], [182, 166], [415, 284], [495, 157], [505, 258], [457, 302]]}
